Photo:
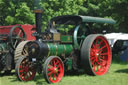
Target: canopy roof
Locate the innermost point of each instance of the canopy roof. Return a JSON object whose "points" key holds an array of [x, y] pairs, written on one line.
{"points": [[69, 19]]}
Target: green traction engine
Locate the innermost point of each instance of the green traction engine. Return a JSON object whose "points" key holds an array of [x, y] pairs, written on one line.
{"points": [[67, 44]]}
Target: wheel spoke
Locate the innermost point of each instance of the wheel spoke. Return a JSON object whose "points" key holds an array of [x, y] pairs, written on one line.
{"points": [[26, 71], [25, 52], [100, 55], [97, 68], [16, 35], [57, 73], [21, 75], [93, 45], [54, 63], [92, 54], [103, 66], [29, 73], [93, 62], [14, 32], [55, 77], [57, 62], [22, 70], [97, 62], [104, 53], [19, 33], [100, 43], [50, 78], [96, 43], [103, 47], [58, 66], [100, 51], [94, 67], [55, 70], [15, 43], [92, 58], [50, 67]]}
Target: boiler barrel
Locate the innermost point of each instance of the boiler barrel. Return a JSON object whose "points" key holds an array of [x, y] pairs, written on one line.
{"points": [[58, 49], [50, 49]]}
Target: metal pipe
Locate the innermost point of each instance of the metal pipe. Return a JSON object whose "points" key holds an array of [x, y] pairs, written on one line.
{"points": [[38, 16]]}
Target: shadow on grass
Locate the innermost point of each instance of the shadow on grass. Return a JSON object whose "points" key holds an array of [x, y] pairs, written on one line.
{"points": [[7, 74], [75, 73], [122, 71], [39, 79]]}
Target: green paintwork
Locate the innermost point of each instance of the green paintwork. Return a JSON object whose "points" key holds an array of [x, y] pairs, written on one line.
{"points": [[3, 47], [66, 38], [13, 30], [97, 20], [76, 45], [57, 49], [74, 20], [69, 64]]}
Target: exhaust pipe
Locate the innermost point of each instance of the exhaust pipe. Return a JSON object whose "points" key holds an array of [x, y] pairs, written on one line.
{"points": [[38, 17]]}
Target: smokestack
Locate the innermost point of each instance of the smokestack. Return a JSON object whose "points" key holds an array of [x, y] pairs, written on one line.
{"points": [[38, 16]]}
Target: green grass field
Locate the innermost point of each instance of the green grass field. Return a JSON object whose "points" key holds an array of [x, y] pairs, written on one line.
{"points": [[117, 75]]}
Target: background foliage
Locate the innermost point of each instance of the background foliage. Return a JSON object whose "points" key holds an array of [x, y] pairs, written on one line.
{"points": [[21, 11]]}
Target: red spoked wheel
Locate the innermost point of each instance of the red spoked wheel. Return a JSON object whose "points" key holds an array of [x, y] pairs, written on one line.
{"points": [[53, 69], [96, 54], [25, 70]]}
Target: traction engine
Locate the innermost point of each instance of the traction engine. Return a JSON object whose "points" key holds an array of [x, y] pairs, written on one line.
{"points": [[66, 44], [10, 37]]}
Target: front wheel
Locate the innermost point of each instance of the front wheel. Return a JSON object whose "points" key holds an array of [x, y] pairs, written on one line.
{"points": [[53, 69], [25, 70], [96, 54]]}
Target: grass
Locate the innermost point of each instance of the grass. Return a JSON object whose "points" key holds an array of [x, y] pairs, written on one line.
{"points": [[117, 75]]}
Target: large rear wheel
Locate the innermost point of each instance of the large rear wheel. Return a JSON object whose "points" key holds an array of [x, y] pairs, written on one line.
{"points": [[53, 69], [96, 54]]}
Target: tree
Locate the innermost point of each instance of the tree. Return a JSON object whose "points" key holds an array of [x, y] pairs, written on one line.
{"points": [[116, 9], [15, 12], [21, 11], [54, 8]]}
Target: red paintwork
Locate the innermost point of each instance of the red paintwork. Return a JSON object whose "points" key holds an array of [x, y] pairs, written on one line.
{"points": [[100, 56], [55, 70], [28, 29], [6, 29], [26, 71]]}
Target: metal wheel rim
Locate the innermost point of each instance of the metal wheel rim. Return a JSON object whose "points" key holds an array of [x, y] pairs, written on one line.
{"points": [[20, 36], [26, 70], [100, 56], [55, 70]]}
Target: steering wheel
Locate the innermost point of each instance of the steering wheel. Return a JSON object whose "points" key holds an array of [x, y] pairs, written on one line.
{"points": [[16, 35]]}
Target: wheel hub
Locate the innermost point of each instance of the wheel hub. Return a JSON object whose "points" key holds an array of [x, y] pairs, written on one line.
{"points": [[95, 53], [55, 70], [26, 69], [33, 50]]}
